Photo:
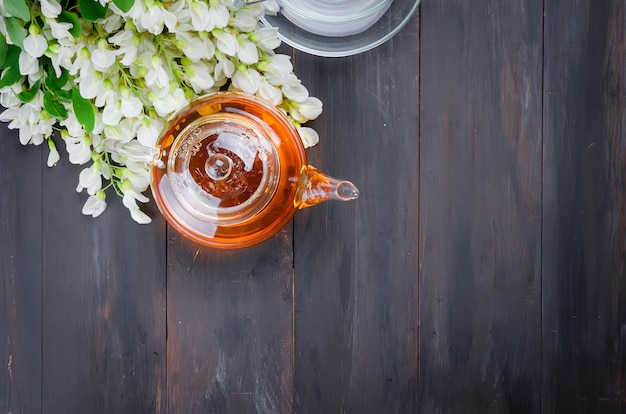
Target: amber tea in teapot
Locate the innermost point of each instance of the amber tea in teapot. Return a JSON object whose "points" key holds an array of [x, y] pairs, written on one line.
{"points": [[230, 171]]}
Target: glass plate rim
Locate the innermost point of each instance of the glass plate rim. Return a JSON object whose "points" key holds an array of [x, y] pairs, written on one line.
{"points": [[345, 52]]}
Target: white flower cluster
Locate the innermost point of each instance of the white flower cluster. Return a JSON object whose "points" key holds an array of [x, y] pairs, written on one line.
{"points": [[108, 84]]}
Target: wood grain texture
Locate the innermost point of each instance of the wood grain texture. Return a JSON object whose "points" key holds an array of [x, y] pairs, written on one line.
{"points": [[230, 327], [103, 303], [356, 263], [584, 238], [481, 271], [480, 206], [20, 275]]}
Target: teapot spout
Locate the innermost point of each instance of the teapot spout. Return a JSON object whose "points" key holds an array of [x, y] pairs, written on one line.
{"points": [[315, 187]]}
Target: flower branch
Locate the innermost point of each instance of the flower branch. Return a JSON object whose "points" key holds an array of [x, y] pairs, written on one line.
{"points": [[106, 75]]}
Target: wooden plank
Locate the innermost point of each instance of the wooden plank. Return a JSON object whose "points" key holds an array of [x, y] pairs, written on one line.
{"points": [[356, 264], [104, 306], [480, 206], [584, 238], [20, 275], [229, 327]]}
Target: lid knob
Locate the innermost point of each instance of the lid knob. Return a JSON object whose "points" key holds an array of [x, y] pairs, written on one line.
{"points": [[218, 166]]}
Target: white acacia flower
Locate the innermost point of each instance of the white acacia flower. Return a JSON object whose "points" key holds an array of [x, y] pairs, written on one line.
{"points": [[128, 43], [138, 176], [294, 90], [60, 57], [105, 171], [102, 57], [166, 101], [34, 125], [122, 38], [199, 76], [220, 16], [139, 216], [97, 128], [29, 65], [130, 199], [82, 62], [135, 12], [59, 30], [50, 8], [195, 48], [41, 129], [111, 114], [116, 135], [90, 178], [226, 42], [130, 104], [247, 80], [308, 135], [134, 153], [112, 22], [154, 18], [53, 155], [10, 115], [270, 93], [8, 94], [201, 19], [129, 54], [78, 148], [245, 21], [95, 204], [180, 8], [276, 69], [266, 38], [271, 7], [149, 131], [91, 85], [25, 134], [156, 74], [35, 46], [224, 68], [247, 52], [310, 109], [28, 135], [72, 126], [108, 95]]}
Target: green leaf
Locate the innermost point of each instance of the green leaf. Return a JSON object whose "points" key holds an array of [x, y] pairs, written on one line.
{"points": [[10, 76], [12, 57], [64, 95], [83, 110], [124, 5], [28, 95], [53, 82], [69, 17], [92, 9], [17, 8], [16, 32], [53, 106], [4, 48]]}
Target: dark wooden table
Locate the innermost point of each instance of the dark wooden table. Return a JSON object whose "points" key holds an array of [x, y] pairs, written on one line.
{"points": [[481, 271]]}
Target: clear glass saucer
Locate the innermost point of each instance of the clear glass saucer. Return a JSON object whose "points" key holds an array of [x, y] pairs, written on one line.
{"points": [[337, 28]]}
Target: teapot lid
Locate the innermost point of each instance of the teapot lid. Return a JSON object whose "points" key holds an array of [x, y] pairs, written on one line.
{"points": [[225, 170]]}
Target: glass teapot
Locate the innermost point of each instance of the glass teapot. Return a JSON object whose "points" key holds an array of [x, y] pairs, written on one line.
{"points": [[230, 171]]}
